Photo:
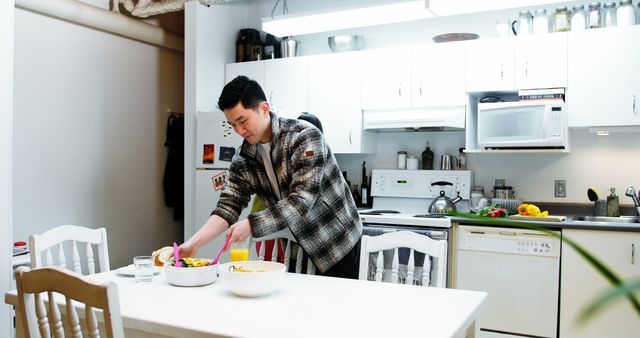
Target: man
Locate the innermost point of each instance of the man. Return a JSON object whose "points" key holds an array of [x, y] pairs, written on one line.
{"points": [[290, 167]]}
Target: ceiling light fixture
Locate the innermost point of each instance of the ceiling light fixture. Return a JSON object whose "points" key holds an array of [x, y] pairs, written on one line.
{"points": [[382, 13], [345, 18], [448, 7]]}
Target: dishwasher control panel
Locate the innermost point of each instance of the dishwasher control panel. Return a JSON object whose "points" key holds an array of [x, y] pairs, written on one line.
{"points": [[510, 241]]}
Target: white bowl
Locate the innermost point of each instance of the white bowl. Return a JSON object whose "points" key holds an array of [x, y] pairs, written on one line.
{"points": [[202, 275], [254, 283]]}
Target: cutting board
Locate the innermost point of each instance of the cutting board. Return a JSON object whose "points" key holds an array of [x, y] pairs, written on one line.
{"points": [[550, 218]]}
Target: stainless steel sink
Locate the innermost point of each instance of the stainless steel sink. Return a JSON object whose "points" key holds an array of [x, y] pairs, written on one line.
{"points": [[604, 219]]}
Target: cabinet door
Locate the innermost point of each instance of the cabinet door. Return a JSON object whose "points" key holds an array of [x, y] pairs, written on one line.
{"points": [[286, 86], [253, 70], [581, 284], [541, 61], [489, 65], [334, 96], [438, 75], [386, 78], [604, 86]]}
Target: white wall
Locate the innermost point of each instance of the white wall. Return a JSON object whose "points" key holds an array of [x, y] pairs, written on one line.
{"points": [[593, 161], [89, 127], [210, 38], [6, 115]]}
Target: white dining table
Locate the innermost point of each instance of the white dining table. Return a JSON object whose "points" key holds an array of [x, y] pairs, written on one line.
{"points": [[303, 306]]}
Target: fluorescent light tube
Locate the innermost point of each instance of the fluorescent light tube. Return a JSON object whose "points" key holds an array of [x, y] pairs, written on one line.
{"points": [[451, 7], [345, 18]]}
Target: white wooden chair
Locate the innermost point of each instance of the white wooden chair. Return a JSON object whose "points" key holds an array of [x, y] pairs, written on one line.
{"points": [[436, 249], [39, 320], [42, 245], [286, 238]]}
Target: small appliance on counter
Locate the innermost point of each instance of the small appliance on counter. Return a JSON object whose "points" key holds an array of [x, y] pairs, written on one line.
{"points": [[248, 45]]}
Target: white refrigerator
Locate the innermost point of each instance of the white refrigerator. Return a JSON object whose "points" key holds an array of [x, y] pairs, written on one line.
{"points": [[216, 144]]}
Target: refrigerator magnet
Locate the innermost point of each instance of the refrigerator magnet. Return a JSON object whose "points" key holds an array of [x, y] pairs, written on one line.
{"points": [[208, 153], [218, 180], [226, 153]]}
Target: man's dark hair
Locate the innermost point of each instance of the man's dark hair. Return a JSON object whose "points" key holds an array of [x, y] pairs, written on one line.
{"points": [[241, 89]]}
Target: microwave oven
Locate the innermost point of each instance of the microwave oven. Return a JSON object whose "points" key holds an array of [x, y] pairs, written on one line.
{"points": [[523, 124]]}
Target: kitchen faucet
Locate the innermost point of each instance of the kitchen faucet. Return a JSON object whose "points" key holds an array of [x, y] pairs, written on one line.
{"points": [[631, 192]]}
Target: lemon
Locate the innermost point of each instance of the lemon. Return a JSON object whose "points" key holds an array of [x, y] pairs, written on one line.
{"points": [[533, 210], [543, 214]]}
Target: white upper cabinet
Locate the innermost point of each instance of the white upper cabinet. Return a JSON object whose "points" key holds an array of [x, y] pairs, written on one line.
{"points": [[541, 61], [581, 284], [490, 65], [286, 85], [438, 75], [253, 70], [386, 78], [334, 96], [604, 77]]}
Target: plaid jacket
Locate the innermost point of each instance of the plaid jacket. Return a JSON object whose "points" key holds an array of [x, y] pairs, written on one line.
{"points": [[316, 203]]}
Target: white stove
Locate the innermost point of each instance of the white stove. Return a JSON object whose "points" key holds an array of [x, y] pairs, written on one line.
{"points": [[402, 197]]}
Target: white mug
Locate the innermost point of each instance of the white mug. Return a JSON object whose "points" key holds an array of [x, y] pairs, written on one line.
{"points": [[503, 28]]}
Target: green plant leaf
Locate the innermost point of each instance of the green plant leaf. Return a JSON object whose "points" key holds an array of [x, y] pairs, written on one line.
{"points": [[600, 267], [606, 298]]}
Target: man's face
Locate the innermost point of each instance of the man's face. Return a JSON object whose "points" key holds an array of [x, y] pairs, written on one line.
{"points": [[251, 125]]}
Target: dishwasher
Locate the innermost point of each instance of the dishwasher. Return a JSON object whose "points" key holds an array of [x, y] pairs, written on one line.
{"points": [[520, 269]]}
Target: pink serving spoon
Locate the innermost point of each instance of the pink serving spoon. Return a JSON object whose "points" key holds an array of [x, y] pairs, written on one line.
{"points": [[224, 246], [178, 264]]}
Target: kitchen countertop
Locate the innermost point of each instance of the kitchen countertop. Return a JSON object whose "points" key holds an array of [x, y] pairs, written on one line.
{"points": [[569, 223]]}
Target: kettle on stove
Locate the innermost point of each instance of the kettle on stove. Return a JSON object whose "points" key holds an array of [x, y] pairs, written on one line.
{"points": [[444, 205]]}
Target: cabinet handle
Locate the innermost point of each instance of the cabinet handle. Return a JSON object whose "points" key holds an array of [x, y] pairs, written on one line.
{"points": [[526, 68], [501, 71], [633, 254], [350, 143], [400, 89], [271, 97], [634, 105], [421, 93]]}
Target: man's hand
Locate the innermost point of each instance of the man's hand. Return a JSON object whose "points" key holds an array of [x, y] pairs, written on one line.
{"points": [[187, 249], [239, 231]]}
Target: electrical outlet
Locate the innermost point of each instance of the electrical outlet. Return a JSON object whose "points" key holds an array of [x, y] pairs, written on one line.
{"points": [[560, 188]]}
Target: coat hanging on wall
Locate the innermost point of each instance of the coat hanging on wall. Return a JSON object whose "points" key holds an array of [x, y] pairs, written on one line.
{"points": [[173, 182]]}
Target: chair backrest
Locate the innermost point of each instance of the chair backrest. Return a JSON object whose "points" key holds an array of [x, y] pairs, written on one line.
{"points": [[40, 320], [285, 237], [42, 245], [436, 249]]}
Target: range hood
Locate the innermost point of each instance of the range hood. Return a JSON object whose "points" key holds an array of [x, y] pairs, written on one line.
{"points": [[415, 119]]}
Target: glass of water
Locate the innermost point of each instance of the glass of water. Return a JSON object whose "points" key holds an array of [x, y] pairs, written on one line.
{"points": [[143, 267]]}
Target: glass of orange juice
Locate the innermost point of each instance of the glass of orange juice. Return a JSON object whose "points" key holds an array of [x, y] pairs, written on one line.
{"points": [[239, 251]]}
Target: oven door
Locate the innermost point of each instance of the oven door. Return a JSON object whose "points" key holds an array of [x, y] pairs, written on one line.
{"points": [[420, 261]]}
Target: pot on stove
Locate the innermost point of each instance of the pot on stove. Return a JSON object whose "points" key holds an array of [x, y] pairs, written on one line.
{"points": [[443, 205]]}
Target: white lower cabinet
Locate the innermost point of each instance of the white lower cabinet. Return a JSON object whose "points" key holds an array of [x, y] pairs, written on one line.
{"points": [[334, 96], [581, 284]]}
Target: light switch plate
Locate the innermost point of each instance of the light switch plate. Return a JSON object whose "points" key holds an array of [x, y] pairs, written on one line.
{"points": [[560, 188]]}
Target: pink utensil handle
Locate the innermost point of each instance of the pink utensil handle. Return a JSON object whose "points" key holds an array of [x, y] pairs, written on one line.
{"points": [[224, 246], [178, 264]]}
